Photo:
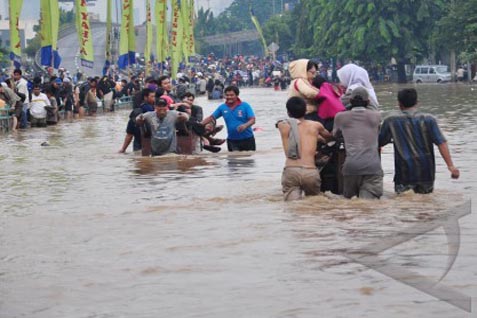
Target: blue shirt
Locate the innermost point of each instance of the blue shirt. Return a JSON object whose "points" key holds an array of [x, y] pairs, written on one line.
{"points": [[234, 118], [413, 134]]}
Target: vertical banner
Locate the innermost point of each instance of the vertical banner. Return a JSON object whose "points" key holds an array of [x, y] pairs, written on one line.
{"points": [[109, 25], [84, 34], [185, 29], [15, 8], [45, 24], [55, 28], [123, 60], [161, 30], [191, 26], [131, 35], [259, 30], [147, 49], [176, 37], [50, 21]]}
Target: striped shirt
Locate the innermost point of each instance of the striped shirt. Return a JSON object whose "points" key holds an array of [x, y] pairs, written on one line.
{"points": [[413, 134]]}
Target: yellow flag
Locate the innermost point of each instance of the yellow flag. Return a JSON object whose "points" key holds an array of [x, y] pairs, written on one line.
{"points": [[259, 30], [185, 29], [50, 20], [147, 49], [132, 35], [161, 30], [84, 34], [191, 26], [176, 38], [15, 7], [123, 60]]}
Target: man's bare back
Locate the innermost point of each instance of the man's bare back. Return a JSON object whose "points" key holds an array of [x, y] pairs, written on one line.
{"points": [[310, 132]]}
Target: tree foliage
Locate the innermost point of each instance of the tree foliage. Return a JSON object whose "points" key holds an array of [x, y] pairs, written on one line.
{"points": [[457, 29], [372, 30]]}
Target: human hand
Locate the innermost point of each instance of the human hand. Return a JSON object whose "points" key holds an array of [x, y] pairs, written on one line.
{"points": [[455, 173], [241, 128]]}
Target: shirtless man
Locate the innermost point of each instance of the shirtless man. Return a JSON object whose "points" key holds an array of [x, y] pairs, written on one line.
{"points": [[300, 138]]}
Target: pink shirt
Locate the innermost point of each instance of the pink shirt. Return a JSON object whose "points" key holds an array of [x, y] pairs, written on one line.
{"points": [[331, 103]]}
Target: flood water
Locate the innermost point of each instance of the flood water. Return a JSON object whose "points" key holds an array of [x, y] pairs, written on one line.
{"points": [[87, 232]]}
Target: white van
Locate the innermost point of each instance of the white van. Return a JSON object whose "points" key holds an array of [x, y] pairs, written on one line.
{"points": [[431, 74]]}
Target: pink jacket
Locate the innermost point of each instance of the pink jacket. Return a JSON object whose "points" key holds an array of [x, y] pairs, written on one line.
{"points": [[331, 102]]}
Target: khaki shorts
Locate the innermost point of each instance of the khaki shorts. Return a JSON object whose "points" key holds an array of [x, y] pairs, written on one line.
{"points": [[364, 187], [296, 180]]}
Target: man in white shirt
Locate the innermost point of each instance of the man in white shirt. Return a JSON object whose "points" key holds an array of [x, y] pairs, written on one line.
{"points": [[37, 107], [21, 87]]}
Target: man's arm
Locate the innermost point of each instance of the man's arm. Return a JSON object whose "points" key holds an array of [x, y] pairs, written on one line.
{"points": [[249, 123], [444, 150], [182, 117], [207, 120]]}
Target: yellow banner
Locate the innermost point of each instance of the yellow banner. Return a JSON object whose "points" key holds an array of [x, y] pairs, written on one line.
{"points": [[15, 7], [191, 26], [132, 35], [260, 32], [161, 30], [84, 34], [50, 21], [123, 60], [147, 49], [185, 29], [109, 26], [176, 38]]}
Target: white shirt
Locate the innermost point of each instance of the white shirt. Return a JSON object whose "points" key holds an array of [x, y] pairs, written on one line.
{"points": [[37, 105], [22, 87]]}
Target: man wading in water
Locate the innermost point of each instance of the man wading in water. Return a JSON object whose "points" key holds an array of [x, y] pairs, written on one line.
{"points": [[300, 138]]}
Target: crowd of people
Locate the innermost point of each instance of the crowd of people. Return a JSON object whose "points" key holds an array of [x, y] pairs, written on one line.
{"points": [[327, 121], [348, 114]]}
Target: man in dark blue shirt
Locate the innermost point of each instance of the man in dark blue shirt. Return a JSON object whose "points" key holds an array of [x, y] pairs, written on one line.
{"points": [[413, 134], [132, 130]]}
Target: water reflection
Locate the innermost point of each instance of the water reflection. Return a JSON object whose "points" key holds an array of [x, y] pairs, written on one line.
{"points": [[167, 164]]}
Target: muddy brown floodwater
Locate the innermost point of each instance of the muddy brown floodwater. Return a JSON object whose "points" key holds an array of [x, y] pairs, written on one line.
{"points": [[87, 232]]}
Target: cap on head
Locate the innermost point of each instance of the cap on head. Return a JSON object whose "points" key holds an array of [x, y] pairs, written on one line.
{"points": [[360, 92]]}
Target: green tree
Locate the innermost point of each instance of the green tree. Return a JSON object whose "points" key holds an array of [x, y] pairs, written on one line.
{"points": [[373, 30], [278, 29], [456, 31]]}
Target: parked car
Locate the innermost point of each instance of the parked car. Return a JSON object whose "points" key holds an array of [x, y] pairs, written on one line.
{"points": [[431, 74]]}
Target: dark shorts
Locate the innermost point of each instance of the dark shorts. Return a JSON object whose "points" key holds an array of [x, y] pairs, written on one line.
{"points": [[241, 145], [424, 188], [18, 110]]}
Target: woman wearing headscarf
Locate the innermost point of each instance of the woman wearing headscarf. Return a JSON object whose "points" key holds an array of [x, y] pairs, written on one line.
{"points": [[352, 76], [302, 73]]}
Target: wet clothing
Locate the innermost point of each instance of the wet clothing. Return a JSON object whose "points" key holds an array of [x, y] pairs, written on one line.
{"points": [[241, 145], [360, 130], [364, 187], [37, 106], [163, 132], [296, 180], [413, 134], [52, 112], [235, 117]]}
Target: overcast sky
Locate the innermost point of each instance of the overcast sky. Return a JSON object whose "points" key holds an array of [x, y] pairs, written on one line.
{"points": [[31, 8]]}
